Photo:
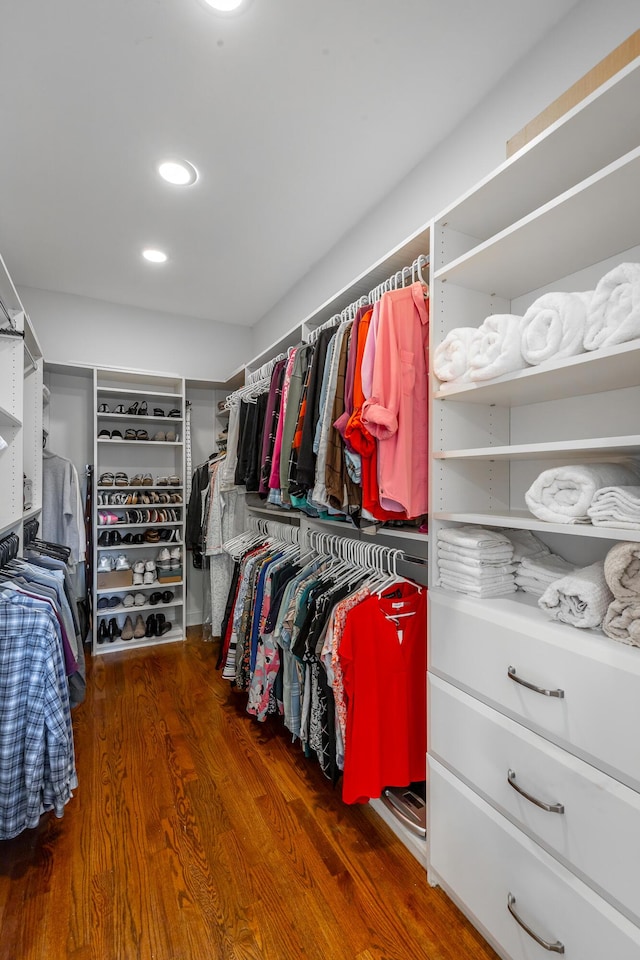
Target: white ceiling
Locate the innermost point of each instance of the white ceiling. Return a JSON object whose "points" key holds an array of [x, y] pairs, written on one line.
{"points": [[299, 114]]}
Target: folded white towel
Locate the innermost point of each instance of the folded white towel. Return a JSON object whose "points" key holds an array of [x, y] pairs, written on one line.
{"points": [[481, 592], [536, 573], [616, 507], [564, 494], [622, 570], [622, 621], [525, 544], [472, 560], [451, 357], [553, 327], [496, 349], [582, 598], [547, 568], [484, 572], [474, 538], [614, 314]]}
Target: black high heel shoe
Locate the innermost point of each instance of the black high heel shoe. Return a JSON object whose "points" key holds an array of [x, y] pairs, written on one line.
{"points": [[103, 633], [151, 629], [113, 630]]}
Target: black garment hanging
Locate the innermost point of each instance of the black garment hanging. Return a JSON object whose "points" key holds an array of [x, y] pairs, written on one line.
{"points": [[306, 472]]}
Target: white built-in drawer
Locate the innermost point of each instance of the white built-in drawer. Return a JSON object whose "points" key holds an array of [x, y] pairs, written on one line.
{"points": [[594, 823], [474, 643], [481, 859]]}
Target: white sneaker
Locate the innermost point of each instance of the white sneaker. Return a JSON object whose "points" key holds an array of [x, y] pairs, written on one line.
{"points": [[105, 563], [176, 553], [138, 566], [149, 577], [150, 566], [122, 563], [164, 555], [138, 579]]}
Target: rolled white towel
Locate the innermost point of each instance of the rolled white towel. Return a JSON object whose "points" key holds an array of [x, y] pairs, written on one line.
{"points": [[582, 598], [451, 357], [622, 570], [473, 558], [553, 327], [474, 538], [616, 507], [614, 314], [622, 621], [564, 494], [497, 349]]}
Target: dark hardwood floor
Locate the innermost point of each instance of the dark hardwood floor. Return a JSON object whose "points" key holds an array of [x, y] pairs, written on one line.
{"points": [[197, 833]]}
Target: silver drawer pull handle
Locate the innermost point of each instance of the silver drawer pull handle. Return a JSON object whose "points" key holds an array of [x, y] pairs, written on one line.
{"points": [[511, 673], [549, 807], [556, 947]]}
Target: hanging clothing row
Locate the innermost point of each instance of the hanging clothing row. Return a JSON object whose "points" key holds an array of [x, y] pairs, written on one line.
{"points": [[41, 678], [62, 507], [340, 427], [212, 514], [328, 636]]}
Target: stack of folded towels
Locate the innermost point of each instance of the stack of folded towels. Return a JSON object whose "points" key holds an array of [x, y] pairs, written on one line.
{"points": [[616, 507], [476, 561], [536, 566], [622, 572], [580, 598], [564, 494]]}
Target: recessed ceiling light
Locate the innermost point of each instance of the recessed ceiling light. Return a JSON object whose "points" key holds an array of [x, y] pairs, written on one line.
{"points": [[154, 256], [224, 6], [179, 172]]}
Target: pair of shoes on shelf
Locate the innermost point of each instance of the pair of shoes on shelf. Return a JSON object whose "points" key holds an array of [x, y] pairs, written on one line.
{"points": [[133, 538], [108, 631], [106, 479], [133, 631], [144, 573], [172, 481], [174, 413], [109, 538], [106, 518], [136, 435], [158, 597], [138, 409], [110, 435], [170, 436], [105, 603], [134, 600], [106, 563], [157, 625]]}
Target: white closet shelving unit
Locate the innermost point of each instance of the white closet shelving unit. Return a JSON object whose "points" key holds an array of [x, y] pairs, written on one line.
{"points": [[534, 794], [158, 458], [21, 401]]}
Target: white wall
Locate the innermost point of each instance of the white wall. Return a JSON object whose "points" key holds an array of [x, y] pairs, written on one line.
{"points": [[79, 330], [474, 149]]}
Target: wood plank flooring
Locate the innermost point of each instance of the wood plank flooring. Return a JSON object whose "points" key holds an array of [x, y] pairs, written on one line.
{"points": [[197, 833]]}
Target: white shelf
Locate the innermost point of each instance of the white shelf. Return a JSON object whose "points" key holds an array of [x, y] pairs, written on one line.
{"points": [[146, 443], [611, 368], [522, 520], [135, 588], [590, 222], [141, 418], [125, 547], [564, 153], [163, 488], [118, 646], [32, 512], [124, 390], [276, 513], [143, 523], [120, 609], [396, 533], [594, 449], [8, 418]]}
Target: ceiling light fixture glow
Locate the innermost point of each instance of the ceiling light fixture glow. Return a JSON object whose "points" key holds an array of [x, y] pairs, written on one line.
{"points": [[154, 256], [181, 173], [224, 6]]}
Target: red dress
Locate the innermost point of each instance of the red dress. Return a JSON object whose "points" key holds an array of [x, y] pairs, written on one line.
{"points": [[384, 662]]}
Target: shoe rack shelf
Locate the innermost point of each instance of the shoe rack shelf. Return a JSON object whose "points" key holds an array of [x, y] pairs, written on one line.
{"points": [[156, 458]]}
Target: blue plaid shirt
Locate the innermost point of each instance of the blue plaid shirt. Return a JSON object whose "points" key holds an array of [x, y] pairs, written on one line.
{"points": [[37, 764]]}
